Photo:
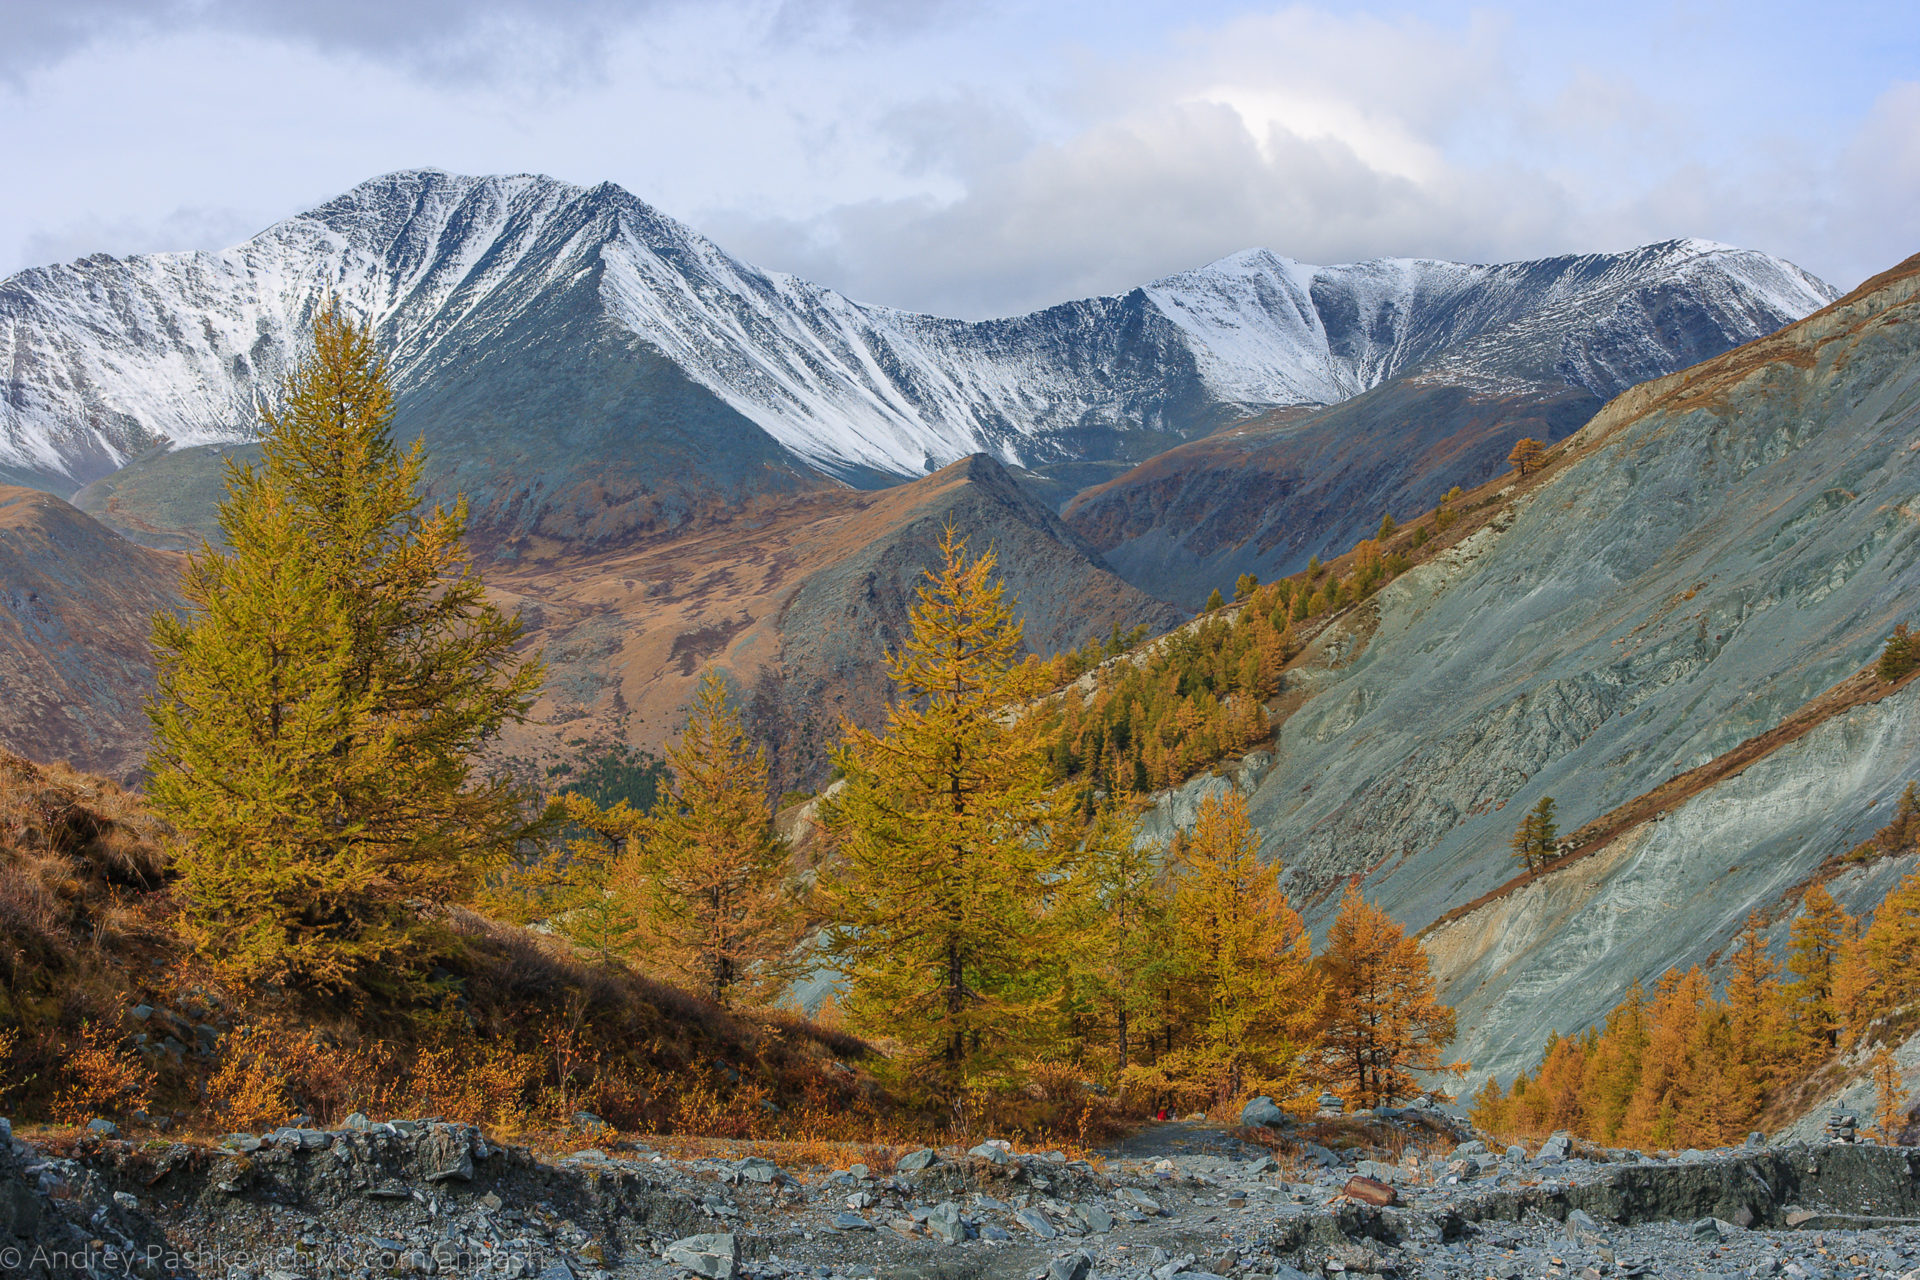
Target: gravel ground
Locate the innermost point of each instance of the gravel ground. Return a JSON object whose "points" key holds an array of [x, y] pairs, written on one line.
{"points": [[425, 1198]]}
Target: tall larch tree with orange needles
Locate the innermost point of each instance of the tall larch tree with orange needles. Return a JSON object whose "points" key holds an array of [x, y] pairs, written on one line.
{"points": [[1248, 995], [1756, 1016], [951, 844], [323, 704], [1115, 909], [1526, 454], [706, 878], [1813, 952], [1660, 1111], [1890, 1098], [1383, 1020]]}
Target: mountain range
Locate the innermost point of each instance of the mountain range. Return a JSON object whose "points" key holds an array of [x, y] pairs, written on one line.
{"points": [[532, 324], [635, 416]]}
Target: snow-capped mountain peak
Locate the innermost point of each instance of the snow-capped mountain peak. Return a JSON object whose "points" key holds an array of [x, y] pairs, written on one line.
{"points": [[108, 356]]}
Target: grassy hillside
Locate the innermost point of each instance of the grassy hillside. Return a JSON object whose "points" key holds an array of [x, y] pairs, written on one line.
{"points": [[105, 1011]]}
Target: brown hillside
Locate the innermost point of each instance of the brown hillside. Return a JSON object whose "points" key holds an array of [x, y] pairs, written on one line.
{"points": [[104, 1010], [798, 599], [797, 596], [75, 603]]}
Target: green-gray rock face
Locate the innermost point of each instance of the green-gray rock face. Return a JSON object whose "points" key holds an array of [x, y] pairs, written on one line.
{"points": [[1726, 544]]}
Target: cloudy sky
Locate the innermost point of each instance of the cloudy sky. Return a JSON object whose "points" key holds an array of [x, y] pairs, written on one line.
{"points": [[986, 158]]}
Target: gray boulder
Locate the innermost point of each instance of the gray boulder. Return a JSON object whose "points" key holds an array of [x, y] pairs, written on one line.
{"points": [[757, 1169], [448, 1151], [1036, 1222], [1586, 1232], [716, 1257], [945, 1223], [915, 1161], [1264, 1113], [1075, 1266]]}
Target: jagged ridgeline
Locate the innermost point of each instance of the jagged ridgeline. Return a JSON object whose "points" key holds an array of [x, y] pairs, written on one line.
{"points": [[589, 368]]}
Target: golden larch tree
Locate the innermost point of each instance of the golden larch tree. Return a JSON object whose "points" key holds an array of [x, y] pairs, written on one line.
{"points": [[1383, 1020], [1118, 914], [705, 878], [321, 702], [1813, 952], [1533, 840], [1756, 1014], [950, 844], [567, 885], [1660, 1113], [1890, 1098], [1878, 971], [1526, 454], [1250, 995]]}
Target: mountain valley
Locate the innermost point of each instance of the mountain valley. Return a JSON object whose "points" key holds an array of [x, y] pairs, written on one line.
{"points": [[678, 465]]}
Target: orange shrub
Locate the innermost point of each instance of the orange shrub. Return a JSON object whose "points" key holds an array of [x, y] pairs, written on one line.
{"points": [[101, 1078]]}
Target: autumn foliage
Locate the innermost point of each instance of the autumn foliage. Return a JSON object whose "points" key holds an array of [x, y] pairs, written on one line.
{"points": [[1383, 1020], [949, 841], [1198, 696], [1244, 1002], [1901, 655], [704, 882], [322, 701], [1683, 1067], [995, 930]]}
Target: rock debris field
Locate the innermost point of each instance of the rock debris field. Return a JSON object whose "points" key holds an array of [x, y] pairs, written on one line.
{"points": [[1390, 1194]]}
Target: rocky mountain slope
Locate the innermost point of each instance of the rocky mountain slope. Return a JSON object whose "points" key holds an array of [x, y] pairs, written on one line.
{"points": [[75, 602], [537, 324], [1717, 548], [1265, 495]]}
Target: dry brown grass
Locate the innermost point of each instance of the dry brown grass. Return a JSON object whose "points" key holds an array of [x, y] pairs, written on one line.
{"points": [[524, 1033]]}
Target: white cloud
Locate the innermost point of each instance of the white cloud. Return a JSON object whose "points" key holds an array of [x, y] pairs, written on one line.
{"points": [[963, 157]]}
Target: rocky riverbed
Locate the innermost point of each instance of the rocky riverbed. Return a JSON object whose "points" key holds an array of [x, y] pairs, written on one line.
{"points": [[1397, 1195]]}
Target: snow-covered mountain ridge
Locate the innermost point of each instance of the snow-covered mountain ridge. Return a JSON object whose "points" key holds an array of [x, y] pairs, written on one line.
{"points": [[106, 357]]}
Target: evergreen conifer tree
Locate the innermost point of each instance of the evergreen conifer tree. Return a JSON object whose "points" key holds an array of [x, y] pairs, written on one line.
{"points": [[1251, 999], [319, 705], [1527, 453], [1533, 839], [1754, 1011], [1890, 1098], [1814, 946], [1119, 916], [1901, 654], [568, 885]]}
